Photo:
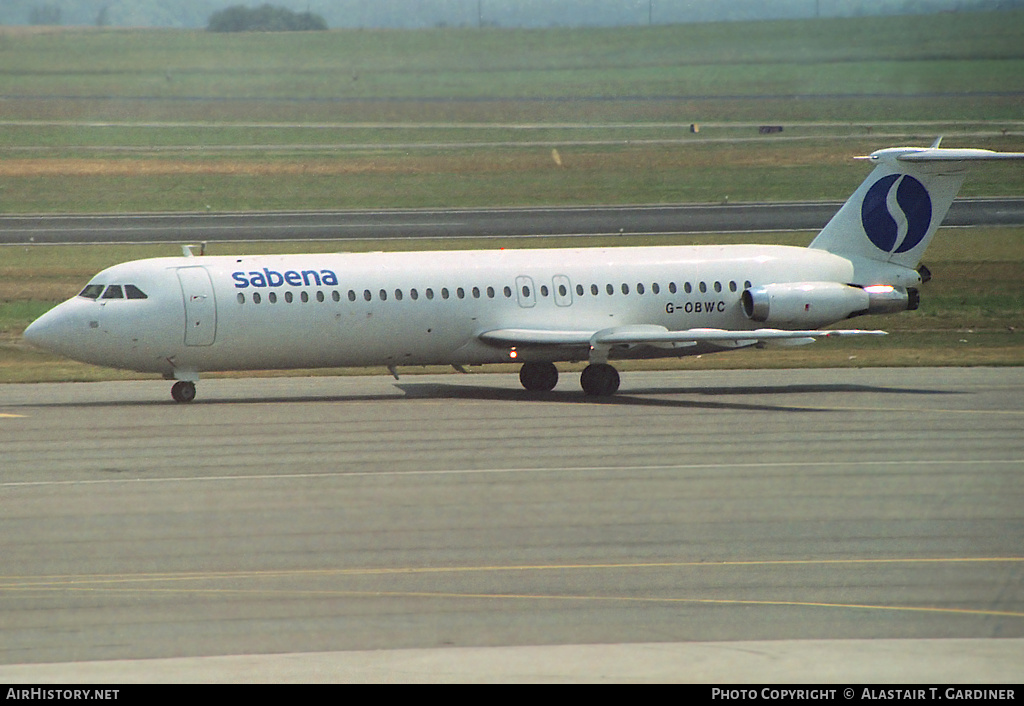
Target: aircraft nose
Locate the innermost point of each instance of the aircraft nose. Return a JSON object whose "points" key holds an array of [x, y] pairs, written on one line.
{"points": [[47, 331]]}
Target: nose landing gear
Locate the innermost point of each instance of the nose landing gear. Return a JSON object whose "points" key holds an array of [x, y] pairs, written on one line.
{"points": [[183, 391]]}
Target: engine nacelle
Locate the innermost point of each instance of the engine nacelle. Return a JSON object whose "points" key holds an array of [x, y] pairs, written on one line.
{"points": [[813, 304], [885, 299]]}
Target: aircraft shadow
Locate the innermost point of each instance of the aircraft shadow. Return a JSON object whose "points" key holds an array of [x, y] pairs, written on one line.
{"points": [[650, 397], [204, 401], [638, 397], [790, 390]]}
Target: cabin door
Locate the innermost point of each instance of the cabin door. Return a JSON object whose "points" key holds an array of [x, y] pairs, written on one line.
{"points": [[200, 306], [524, 292], [563, 290]]}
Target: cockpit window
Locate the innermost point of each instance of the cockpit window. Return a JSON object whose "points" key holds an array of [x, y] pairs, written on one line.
{"points": [[114, 291], [91, 291]]}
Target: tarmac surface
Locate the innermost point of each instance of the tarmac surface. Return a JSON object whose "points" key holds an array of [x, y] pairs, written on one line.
{"points": [[733, 526], [473, 223]]}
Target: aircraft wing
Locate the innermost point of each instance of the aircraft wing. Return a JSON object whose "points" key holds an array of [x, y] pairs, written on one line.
{"points": [[659, 336]]}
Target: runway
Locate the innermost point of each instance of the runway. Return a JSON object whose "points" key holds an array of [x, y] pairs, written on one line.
{"points": [[733, 525], [414, 224]]}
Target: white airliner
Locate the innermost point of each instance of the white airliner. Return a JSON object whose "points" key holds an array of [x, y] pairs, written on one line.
{"points": [[183, 316]]}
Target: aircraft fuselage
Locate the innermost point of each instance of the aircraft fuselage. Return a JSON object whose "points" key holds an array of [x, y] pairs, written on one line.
{"points": [[337, 310]]}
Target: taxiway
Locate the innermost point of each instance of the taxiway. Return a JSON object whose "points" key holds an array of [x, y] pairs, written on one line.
{"points": [[319, 522], [466, 223]]}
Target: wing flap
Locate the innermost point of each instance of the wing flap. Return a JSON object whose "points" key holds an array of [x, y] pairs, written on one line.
{"points": [[536, 337]]}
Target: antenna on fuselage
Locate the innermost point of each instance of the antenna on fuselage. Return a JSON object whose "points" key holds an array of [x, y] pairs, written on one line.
{"points": [[186, 250]]}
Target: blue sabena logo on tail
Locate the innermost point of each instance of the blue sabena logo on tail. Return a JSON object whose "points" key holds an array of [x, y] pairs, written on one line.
{"points": [[881, 225]]}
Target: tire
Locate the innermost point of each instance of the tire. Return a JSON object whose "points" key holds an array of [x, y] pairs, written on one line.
{"points": [[183, 391], [538, 377], [599, 380]]}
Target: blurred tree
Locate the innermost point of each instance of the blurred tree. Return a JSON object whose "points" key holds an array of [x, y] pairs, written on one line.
{"points": [[44, 15], [265, 18]]}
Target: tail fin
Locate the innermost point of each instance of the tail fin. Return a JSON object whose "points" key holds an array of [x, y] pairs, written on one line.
{"points": [[887, 224]]}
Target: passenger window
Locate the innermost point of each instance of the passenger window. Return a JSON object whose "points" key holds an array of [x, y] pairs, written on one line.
{"points": [[594, 290], [543, 290], [444, 292], [430, 293], [579, 290], [490, 292], [562, 291], [367, 295], [414, 294], [113, 292], [288, 297], [476, 292], [272, 297], [672, 287], [718, 286], [256, 298], [335, 296], [133, 292], [703, 288], [656, 288], [351, 295], [241, 298], [625, 288], [320, 297], [398, 294], [610, 289], [508, 292], [639, 288], [687, 288], [91, 291]]}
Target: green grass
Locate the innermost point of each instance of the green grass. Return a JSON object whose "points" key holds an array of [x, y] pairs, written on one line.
{"points": [[491, 61], [115, 120], [372, 72], [16, 315], [701, 170]]}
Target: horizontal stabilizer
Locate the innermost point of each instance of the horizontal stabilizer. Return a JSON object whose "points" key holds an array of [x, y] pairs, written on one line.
{"points": [[939, 154], [957, 155]]}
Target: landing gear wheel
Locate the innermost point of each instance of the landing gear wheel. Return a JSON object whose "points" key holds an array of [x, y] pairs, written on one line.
{"points": [[538, 377], [183, 391], [599, 380]]}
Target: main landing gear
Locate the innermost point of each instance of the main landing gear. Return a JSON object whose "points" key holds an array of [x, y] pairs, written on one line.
{"points": [[183, 391], [538, 377], [597, 380]]}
